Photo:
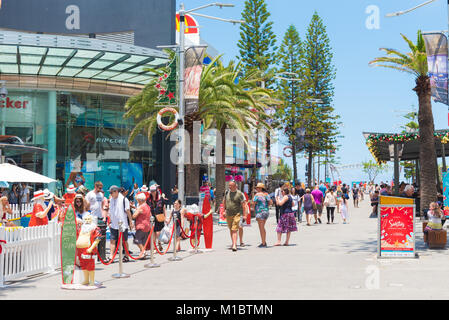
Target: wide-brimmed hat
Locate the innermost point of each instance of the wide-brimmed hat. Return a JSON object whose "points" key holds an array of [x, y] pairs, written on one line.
{"points": [[260, 185], [48, 195], [144, 188], [141, 196], [71, 189], [153, 188], [37, 195]]}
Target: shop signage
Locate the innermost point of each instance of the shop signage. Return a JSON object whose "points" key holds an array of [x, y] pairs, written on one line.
{"points": [[9, 103], [116, 140], [396, 227]]}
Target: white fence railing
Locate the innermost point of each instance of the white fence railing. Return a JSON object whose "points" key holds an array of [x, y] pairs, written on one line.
{"points": [[29, 251], [20, 211]]}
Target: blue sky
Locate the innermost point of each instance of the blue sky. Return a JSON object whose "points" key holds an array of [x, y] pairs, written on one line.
{"points": [[366, 98]]}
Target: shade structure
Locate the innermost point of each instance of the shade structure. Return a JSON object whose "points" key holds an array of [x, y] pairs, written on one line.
{"points": [[380, 145], [12, 173]]}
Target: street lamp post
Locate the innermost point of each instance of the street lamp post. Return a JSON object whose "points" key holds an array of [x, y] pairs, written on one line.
{"points": [[182, 13]]}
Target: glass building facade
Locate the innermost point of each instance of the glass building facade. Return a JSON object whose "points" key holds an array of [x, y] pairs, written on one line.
{"points": [[83, 133]]}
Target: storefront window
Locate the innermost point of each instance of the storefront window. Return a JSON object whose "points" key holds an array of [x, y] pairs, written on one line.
{"points": [[96, 142]]}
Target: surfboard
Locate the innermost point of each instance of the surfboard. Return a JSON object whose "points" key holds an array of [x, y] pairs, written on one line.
{"points": [[68, 246], [208, 224], [248, 217]]}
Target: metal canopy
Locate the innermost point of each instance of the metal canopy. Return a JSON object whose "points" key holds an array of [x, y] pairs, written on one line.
{"points": [[62, 56], [381, 150]]}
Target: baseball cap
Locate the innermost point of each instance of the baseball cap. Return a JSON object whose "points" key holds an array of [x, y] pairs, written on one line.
{"points": [[113, 188]]}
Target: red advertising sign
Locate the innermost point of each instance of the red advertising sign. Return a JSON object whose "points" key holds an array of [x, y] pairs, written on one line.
{"points": [[397, 231]]}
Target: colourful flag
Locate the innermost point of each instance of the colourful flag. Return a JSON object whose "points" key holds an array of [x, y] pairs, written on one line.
{"points": [[437, 54]]}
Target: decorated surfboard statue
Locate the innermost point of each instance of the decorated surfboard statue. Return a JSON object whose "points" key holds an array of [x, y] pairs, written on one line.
{"points": [[68, 246]]}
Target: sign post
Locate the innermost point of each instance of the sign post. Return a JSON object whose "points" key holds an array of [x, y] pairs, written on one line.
{"points": [[396, 228]]}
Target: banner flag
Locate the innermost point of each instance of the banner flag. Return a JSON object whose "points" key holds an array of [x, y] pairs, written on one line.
{"points": [[437, 55], [446, 193], [194, 57]]}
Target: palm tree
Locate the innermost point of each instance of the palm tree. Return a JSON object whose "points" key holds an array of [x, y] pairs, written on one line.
{"points": [[223, 103], [230, 99], [415, 63]]}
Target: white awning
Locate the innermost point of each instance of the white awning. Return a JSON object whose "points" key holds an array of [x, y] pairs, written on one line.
{"points": [[12, 173]]}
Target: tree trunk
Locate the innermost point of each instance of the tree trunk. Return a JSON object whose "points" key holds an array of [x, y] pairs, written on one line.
{"points": [[427, 154], [295, 169], [309, 173], [220, 167]]}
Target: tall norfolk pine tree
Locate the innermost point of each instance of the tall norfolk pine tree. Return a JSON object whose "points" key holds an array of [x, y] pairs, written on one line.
{"points": [[257, 47], [291, 60], [257, 40], [318, 119]]}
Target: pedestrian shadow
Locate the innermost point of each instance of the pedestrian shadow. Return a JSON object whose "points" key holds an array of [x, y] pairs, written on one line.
{"points": [[361, 245]]}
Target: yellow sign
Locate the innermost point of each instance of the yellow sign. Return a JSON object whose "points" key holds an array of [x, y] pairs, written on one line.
{"points": [[386, 200]]}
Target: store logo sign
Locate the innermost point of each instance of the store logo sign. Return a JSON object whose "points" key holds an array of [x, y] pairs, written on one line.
{"points": [[73, 20], [14, 104]]}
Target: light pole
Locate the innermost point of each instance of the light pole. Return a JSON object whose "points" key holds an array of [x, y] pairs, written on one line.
{"points": [[182, 14]]}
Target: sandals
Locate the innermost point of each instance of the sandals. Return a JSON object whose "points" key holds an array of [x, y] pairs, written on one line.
{"points": [[108, 260], [160, 246], [125, 259], [242, 245]]}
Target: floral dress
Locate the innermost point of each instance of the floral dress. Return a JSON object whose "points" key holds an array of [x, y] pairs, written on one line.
{"points": [[261, 206]]}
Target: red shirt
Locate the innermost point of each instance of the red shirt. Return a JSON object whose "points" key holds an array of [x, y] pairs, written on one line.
{"points": [[143, 219], [35, 221]]}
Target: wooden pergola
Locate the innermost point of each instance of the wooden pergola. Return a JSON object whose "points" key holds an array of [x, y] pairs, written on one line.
{"points": [[404, 146]]}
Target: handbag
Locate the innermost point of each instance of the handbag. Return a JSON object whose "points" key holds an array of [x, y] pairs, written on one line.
{"points": [[160, 217]]}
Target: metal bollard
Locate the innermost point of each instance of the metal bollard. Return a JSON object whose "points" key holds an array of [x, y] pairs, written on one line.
{"points": [[152, 264], [120, 274], [175, 258]]}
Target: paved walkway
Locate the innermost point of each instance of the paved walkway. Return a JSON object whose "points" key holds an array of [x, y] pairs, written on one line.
{"points": [[323, 262]]}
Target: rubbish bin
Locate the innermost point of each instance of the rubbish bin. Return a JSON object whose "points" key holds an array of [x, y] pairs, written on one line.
{"points": [[102, 244]]}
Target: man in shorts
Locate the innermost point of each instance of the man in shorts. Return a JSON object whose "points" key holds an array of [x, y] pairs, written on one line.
{"points": [[319, 198], [234, 204]]}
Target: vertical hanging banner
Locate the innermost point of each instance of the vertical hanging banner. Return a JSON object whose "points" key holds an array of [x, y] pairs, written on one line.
{"points": [[437, 54], [446, 194], [194, 57], [396, 230], [167, 84]]}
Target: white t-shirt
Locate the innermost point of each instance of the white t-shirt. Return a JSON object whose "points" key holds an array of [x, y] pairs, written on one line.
{"points": [[96, 202], [278, 193], [25, 194], [117, 211], [295, 199], [331, 200]]}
